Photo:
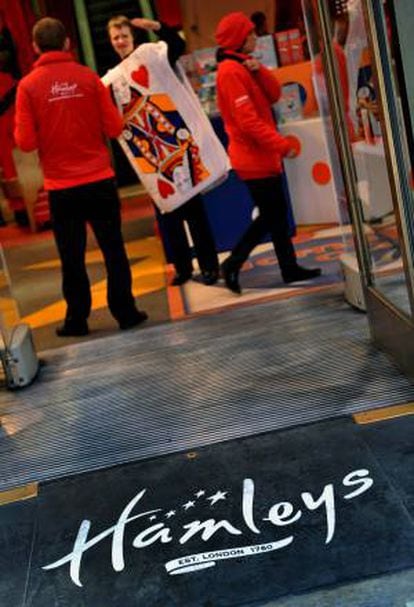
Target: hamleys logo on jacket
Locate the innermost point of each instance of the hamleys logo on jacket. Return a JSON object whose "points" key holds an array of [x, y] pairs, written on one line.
{"points": [[64, 90]]}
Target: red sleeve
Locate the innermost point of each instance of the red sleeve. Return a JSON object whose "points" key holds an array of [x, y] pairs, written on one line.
{"points": [[268, 83], [343, 72], [111, 118], [236, 97], [25, 132]]}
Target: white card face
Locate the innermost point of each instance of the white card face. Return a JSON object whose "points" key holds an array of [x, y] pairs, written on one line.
{"points": [[167, 137]]}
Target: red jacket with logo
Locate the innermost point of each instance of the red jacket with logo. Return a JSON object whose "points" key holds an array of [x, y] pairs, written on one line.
{"points": [[64, 111], [244, 97]]}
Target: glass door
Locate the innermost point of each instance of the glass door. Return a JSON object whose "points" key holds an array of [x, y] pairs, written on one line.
{"points": [[9, 315], [355, 49]]}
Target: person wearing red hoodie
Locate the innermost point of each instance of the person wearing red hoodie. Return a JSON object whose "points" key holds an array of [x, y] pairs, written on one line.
{"points": [[65, 112], [246, 91]]}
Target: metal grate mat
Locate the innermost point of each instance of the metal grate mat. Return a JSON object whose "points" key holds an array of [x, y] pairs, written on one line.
{"points": [[167, 388]]}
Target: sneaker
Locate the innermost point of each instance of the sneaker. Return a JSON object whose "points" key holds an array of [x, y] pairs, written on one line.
{"points": [[72, 328], [298, 273], [180, 279], [135, 320], [209, 277]]}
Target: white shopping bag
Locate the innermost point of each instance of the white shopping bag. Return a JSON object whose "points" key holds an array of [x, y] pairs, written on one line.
{"points": [[167, 136]]}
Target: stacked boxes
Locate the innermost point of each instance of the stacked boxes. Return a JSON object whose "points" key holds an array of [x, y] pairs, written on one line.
{"points": [[289, 47]]}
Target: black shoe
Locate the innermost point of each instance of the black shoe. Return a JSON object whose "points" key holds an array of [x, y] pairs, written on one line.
{"points": [[180, 279], [231, 277], [72, 328], [22, 218], [133, 321], [209, 277], [298, 273]]}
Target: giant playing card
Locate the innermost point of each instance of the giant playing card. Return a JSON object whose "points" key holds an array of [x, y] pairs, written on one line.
{"points": [[167, 137]]}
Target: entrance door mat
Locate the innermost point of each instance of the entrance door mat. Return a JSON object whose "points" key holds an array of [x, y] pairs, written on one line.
{"points": [[237, 523], [169, 388]]}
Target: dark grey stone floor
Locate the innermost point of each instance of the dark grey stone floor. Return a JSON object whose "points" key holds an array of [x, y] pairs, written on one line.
{"points": [[391, 590]]}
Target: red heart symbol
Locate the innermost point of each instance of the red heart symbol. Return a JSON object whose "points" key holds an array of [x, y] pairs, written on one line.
{"points": [[165, 188], [141, 76]]}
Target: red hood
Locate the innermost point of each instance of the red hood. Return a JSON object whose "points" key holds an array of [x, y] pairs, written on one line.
{"points": [[233, 30]]}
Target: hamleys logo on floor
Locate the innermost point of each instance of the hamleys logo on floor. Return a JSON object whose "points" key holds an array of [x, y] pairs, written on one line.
{"points": [[64, 90], [192, 523]]}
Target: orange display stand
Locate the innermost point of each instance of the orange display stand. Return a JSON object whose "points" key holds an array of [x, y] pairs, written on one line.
{"points": [[300, 73]]}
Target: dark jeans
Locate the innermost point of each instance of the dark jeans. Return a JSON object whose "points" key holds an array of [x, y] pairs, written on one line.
{"points": [[268, 195], [194, 213], [71, 209]]}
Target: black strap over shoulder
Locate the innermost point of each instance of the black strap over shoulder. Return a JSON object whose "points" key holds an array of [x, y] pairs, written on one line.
{"points": [[223, 54]]}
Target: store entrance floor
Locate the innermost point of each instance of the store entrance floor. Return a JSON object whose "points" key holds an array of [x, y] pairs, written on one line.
{"points": [[217, 461], [34, 271], [237, 416], [33, 267]]}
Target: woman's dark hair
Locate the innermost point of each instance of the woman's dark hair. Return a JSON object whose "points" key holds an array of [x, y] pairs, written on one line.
{"points": [[259, 20]]}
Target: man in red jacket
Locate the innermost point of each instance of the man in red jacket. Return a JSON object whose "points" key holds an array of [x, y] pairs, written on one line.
{"points": [[64, 111], [246, 91]]}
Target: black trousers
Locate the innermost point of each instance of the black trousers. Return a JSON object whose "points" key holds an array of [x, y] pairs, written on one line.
{"points": [[268, 195], [71, 210], [194, 213]]}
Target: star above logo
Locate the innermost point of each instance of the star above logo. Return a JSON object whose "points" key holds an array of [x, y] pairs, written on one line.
{"points": [[170, 513], [200, 493], [220, 495], [189, 504]]}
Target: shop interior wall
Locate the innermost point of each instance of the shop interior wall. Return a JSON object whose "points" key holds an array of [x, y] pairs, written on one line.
{"points": [[200, 18], [64, 11]]}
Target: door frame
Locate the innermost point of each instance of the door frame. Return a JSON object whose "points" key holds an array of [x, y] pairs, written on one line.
{"points": [[392, 330]]}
